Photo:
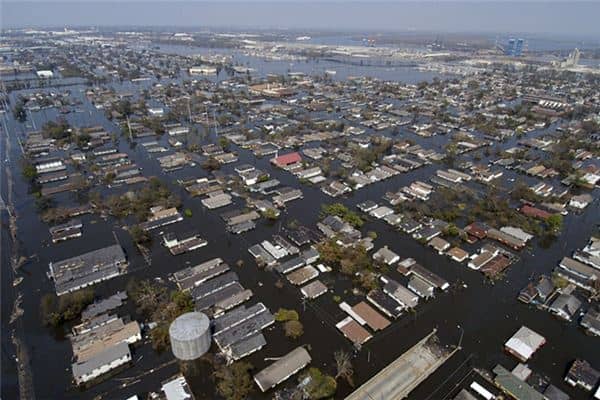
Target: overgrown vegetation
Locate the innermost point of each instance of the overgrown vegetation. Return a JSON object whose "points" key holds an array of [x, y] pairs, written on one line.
{"points": [[320, 385], [234, 381], [56, 310], [284, 315], [58, 130], [340, 210], [352, 261], [139, 235], [157, 304], [293, 329], [138, 203]]}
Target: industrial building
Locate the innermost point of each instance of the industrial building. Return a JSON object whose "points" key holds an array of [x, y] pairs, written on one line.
{"points": [[87, 269], [282, 369]]}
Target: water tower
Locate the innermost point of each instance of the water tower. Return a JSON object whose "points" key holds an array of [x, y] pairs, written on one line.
{"points": [[190, 336]]}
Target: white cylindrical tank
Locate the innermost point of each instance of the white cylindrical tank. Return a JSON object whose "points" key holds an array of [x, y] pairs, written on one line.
{"points": [[190, 336]]}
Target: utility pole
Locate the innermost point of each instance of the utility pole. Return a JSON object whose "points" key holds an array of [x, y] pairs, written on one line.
{"points": [[462, 332]]}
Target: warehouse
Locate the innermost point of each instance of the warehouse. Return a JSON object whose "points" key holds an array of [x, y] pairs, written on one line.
{"points": [[87, 269], [106, 361], [282, 369]]}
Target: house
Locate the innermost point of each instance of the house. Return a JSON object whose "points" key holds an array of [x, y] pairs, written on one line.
{"points": [[400, 293], [554, 393], [177, 388], [439, 244], [505, 238], [524, 343], [427, 233], [421, 287], [583, 375], [313, 289], [535, 212], [353, 331], [367, 206], [544, 287], [457, 254], [385, 303], [565, 306], [381, 212], [591, 320], [513, 386], [522, 371], [287, 160], [571, 270], [477, 230], [541, 290], [581, 201], [386, 256], [528, 294], [479, 260]]}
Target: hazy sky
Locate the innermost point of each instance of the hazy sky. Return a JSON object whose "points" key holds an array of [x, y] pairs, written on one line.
{"points": [[558, 17]]}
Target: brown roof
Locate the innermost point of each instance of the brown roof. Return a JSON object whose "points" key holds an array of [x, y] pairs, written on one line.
{"points": [[353, 331], [375, 320], [496, 265], [457, 252], [476, 230]]}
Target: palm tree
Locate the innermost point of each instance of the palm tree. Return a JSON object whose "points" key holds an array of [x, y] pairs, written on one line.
{"points": [[343, 366]]}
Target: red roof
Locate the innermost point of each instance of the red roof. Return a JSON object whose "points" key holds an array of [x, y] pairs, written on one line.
{"points": [[477, 230], [287, 159], [535, 212]]}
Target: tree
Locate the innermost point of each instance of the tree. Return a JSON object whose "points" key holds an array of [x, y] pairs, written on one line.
{"points": [[320, 385], [58, 310], [554, 223], [124, 107], [283, 315], [293, 329], [211, 164], [139, 235], [223, 142], [234, 381], [340, 210], [19, 110], [343, 366], [28, 170], [271, 213]]}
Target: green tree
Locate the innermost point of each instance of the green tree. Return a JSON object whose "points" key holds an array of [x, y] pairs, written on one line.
{"points": [[283, 315], [223, 142], [270, 213], [554, 223], [320, 386], [28, 170]]}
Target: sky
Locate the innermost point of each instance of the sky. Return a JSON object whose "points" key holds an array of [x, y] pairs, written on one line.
{"points": [[572, 18]]}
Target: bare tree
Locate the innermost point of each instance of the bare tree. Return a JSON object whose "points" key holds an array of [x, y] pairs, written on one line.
{"points": [[343, 366]]}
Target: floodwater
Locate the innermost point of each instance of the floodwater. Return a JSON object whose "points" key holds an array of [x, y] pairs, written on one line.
{"points": [[487, 314], [263, 66]]}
